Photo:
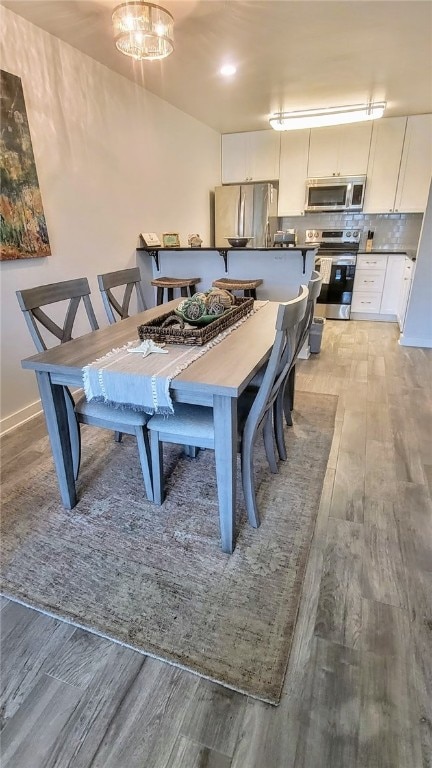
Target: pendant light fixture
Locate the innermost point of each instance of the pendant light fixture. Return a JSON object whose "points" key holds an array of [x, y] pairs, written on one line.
{"points": [[314, 118], [143, 30]]}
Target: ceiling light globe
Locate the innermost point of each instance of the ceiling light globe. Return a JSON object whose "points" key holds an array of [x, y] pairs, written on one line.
{"points": [[143, 30], [228, 70]]}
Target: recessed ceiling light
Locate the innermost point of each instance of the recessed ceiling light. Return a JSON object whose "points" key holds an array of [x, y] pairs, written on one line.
{"points": [[228, 70]]}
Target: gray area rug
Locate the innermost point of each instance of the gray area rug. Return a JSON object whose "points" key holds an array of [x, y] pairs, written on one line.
{"points": [[155, 578]]}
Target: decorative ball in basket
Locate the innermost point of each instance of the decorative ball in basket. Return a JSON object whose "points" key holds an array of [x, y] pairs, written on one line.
{"points": [[203, 308]]}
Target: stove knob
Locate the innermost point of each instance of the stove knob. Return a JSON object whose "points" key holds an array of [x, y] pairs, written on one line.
{"points": [[348, 234], [316, 234], [355, 233], [309, 234]]}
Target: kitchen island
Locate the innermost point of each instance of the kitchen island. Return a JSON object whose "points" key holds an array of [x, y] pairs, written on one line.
{"points": [[282, 270]]}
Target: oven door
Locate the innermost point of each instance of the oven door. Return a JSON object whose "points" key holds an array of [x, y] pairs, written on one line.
{"points": [[337, 288]]}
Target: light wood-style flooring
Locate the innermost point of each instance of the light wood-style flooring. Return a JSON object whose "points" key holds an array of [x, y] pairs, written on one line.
{"points": [[358, 692]]}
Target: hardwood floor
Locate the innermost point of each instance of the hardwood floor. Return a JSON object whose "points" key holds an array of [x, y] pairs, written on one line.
{"points": [[358, 691]]}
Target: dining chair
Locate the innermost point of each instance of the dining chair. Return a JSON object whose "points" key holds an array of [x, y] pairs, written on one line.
{"points": [[285, 401], [285, 398], [193, 424], [127, 278], [31, 301]]}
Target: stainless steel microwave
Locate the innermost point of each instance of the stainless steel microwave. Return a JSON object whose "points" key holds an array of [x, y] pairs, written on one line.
{"points": [[335, 193]]}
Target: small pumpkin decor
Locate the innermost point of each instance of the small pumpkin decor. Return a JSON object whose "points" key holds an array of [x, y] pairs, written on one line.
{"points": [[203, 308]]}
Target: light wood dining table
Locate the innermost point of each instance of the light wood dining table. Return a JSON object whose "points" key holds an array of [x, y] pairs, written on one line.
{"points": [[215, 379]]}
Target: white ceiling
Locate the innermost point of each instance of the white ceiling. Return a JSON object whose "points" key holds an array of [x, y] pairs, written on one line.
{"points": [[289, 54]]}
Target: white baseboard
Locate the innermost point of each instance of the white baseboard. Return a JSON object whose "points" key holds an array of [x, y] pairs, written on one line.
{"points": [[373, 316], [20, 417], [410, 341]]}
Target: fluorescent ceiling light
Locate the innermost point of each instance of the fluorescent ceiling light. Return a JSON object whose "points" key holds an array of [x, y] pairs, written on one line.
{"points": [[314, 118]]}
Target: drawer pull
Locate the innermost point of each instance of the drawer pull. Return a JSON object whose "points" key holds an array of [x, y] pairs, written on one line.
{"points": [[368, 281], [365, 302]]}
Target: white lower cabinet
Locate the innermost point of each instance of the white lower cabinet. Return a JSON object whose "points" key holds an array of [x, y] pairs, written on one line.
{"points": [[378, 285], [393, 284], [407, 278]]}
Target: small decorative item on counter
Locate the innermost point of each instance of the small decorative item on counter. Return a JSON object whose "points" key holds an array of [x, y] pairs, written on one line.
{"points": [[194, 241], [369, 241], [171, 240]]}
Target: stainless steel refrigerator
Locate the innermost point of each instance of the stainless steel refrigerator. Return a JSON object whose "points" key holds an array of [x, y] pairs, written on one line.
{"points": [[247, 210]]}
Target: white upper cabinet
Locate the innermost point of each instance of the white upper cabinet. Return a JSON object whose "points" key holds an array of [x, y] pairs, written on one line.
{"points": [[384, 163], [252, 156], [294, 151], [340, 150], [416, 165]]}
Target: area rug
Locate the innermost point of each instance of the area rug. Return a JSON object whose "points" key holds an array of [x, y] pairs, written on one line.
{"points": [[155, 578]]}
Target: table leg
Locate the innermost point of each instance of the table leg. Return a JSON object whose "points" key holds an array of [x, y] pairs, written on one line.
{"points": [[225, 425], [54, 406]]}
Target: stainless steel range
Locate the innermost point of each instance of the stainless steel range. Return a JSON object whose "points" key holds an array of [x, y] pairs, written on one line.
{"points": [[335, 260]]}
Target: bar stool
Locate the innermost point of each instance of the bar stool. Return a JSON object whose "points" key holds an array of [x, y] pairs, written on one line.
{"points": [[184, 283], [247, 286]]}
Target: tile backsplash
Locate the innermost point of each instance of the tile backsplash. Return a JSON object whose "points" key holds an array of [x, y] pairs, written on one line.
{"points": [[392, 231]]}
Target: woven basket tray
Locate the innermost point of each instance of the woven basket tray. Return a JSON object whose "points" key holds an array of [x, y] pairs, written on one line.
{"points": [[170, 335]]}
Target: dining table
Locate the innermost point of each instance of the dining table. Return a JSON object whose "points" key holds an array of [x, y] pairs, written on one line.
{"points": [[215, 379]]}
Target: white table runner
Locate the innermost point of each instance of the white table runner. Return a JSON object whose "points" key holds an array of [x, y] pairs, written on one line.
{"points": [[127, 380]]}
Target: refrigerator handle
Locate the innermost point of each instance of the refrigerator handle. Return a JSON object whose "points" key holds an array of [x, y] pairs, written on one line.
{"points": [[241, 214]]}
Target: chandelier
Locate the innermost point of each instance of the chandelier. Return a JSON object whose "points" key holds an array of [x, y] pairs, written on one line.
{"points": [[314, 118], [143, 30]]}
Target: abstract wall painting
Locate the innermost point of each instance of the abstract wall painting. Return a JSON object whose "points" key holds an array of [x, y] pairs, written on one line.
{"points": [[23, 230]]}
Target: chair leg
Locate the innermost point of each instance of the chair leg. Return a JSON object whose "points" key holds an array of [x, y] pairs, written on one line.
{"points": [[192, 290], [249, 484], [118, 436], [159, 295], [191, 451], [157, 467], [278, 419], [253, 293], [291, 383], [288, 394], [74, 432], [269, 442], [144, 454]]}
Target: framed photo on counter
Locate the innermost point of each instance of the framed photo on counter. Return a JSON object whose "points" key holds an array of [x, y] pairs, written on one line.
{"points": [[150, 239], [171, 240]]}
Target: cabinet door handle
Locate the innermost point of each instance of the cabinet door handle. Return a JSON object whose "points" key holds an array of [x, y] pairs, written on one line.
{"points": [[365, 302], [368, 281]]}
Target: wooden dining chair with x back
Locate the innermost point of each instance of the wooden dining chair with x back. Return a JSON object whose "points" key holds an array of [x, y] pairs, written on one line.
{"points": [[96, 414], [129, 279], [194, 425]]}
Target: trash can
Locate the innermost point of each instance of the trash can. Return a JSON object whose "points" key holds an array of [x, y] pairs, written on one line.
{"points": [[315, 334]]}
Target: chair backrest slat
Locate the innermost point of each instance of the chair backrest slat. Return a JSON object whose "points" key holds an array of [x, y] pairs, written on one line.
{"points": [[130, 279], [31, 301]]}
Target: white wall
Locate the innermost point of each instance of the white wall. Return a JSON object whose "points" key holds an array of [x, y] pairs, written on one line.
{"points": [[113, 160], [418, 322]]}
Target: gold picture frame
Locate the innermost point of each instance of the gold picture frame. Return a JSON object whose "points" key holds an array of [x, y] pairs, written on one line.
{"points": [[171, 240]]}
